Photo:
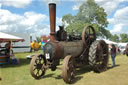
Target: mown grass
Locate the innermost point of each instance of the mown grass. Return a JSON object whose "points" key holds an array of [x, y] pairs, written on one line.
{"points": [[20, 75]]}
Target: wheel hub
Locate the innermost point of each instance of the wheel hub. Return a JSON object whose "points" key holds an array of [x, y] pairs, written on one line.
{"points": [[39, 66]]}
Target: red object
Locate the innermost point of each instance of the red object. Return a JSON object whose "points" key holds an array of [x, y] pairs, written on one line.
{"points": [[44, 41]]}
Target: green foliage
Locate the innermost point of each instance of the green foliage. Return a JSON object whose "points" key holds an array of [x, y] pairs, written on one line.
{"points": [[106, 33], [68, 18], [124, 37], [75, 27], [120, 38], [89, 13], [114, 38]]}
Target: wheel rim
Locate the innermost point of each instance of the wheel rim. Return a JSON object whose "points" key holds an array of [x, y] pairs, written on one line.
{"points": [[68, 69], [88, 35], [37, 66]]}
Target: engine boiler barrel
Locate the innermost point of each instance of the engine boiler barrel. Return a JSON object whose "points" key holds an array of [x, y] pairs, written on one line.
{"points": [[58, 50], [72, 48]]}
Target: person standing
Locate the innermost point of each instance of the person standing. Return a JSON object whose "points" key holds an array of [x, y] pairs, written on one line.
{"points": [[113, 54], [43, 41]]}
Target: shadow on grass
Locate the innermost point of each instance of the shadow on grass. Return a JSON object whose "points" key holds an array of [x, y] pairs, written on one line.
{"points": [[79, 72], [48, 75], [77, 78], [58, 77], [113, 67], [83, 70], [23, 62]]}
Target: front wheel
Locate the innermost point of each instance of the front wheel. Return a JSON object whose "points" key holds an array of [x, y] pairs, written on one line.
{"points": [[37, 66], [68, 69]]}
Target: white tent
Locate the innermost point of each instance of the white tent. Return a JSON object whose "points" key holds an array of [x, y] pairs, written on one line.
{"points": [[7, 37], [108, 41], [122, 44]]}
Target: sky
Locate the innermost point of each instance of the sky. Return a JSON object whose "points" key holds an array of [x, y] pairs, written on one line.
{"points": [[32, 16]]}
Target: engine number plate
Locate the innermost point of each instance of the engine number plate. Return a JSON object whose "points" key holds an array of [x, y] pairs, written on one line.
{"points": [[47, 56]]}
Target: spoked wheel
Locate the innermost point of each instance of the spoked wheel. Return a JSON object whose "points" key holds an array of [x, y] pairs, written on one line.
{"points": [[37, 66], [88, 35], [98, 56], [68, 69]]}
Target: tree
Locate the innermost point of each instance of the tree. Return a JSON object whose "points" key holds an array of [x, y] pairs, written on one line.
{"points": [[89, 13], [68, 18], [114, 38], [124, 37]]}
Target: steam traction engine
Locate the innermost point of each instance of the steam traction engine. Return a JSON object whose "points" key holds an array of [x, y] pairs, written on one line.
{"points": [[87, 51]]}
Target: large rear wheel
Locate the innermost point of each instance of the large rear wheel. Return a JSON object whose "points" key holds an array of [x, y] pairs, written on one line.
{"points": [[98, 55]]}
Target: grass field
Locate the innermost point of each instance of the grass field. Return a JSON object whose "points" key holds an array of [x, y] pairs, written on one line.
{"points": [[20, 75]]}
